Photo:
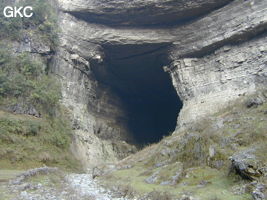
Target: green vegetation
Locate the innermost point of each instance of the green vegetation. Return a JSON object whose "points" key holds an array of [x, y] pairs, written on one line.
{"points": [[52, 180], [41, 134], [43, 23], [200, 155], [27, 141], [24, 79], [6, 175], [204, 183]]}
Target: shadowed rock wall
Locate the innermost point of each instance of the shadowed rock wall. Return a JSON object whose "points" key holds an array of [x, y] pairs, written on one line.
{"points": [[214, 53]]}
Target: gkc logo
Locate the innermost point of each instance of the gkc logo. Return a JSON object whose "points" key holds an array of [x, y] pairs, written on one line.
{"points": [[10, 12]]}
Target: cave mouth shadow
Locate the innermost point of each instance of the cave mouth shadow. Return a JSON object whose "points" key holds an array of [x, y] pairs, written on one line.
{"points": [[150, 101]]}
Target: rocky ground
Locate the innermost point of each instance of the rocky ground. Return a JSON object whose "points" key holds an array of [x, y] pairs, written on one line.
{"points": [[221, 158], [51, 184]]}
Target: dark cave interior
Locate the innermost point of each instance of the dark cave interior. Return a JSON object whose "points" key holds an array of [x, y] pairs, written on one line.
{"points": [[136, 76]]}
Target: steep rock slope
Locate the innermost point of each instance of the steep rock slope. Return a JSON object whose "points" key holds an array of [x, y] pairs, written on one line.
{"points": [[220, 157], [34, 130], [214, 54], [206, 84]]}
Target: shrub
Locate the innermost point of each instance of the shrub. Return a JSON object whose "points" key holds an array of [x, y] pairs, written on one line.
{"points": [[9, 27], [46, 93], [24, 79], [35, 141], [19, 127], [43, 21]]}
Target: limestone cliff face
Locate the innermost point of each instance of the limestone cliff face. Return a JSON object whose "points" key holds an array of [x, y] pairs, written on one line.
{"points": [[206, 84], [215, 51], [139, 12], [97, 117]]}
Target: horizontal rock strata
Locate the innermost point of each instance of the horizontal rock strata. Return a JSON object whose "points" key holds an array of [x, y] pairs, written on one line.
{"points": [[215, 52]]}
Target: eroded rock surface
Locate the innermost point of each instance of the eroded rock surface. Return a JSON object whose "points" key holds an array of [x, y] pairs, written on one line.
{"points": [[206, 84], [139, 12], [214, 53]]}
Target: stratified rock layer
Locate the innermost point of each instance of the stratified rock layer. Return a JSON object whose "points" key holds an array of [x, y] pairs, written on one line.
{"points": [[139, 12], [212, 58], [206, 84]]}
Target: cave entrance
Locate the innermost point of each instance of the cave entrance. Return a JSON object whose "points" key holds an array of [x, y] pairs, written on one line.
{"points": [[137, 77]]}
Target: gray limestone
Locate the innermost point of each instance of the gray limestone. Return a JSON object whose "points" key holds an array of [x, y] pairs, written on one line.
{"points": [[216, 56]]}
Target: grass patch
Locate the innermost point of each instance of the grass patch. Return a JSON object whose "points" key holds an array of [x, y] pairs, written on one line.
{"points": [[205, 183], [23, 80], [26, 84], [27, 142], [53, 180], [6, 175], [204, 150]]}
